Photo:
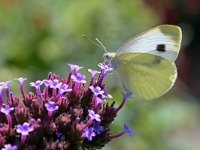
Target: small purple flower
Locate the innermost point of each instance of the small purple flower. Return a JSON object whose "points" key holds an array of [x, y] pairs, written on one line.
{"points": [[6, 109], [105, 95], [51, 106], [96, 90], [89, 133], [78, 78], [21, 82], [94, 116], [127, 94], [97, 127], [36, 84], [47, 83], [105, 68], [93, 72], [5, 85], [74, 67], [64, 88], [24, 130], [9, 147], [125, 97], [98, 101], [127, 130], [59, 135], [31, 121], [55, 84]]}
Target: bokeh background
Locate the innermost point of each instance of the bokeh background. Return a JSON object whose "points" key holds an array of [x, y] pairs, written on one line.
{"points": [[41, 36]]}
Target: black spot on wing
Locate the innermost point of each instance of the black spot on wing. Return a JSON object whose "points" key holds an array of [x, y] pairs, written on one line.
{"points": [[161, 48]]}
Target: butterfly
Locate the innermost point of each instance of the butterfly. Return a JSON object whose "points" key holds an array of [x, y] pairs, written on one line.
{"points": [[145, 63]]}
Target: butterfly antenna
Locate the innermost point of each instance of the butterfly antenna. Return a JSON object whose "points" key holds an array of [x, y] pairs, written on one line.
{"points": [[102, 45], [91, 41], [97, 43]]}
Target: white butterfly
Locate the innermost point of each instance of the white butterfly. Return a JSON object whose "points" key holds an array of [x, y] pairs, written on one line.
{"points": [[145, 63]]}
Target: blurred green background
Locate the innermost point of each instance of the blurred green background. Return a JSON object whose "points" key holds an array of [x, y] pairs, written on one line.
{"points": [[41, 36]]}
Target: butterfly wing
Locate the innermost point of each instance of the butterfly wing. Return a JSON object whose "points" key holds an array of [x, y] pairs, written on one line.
{"points": [[147, 76], [163, 40]]}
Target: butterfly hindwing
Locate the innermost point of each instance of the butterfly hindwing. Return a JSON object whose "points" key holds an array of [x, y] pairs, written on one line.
{"points": [[148, 76]]}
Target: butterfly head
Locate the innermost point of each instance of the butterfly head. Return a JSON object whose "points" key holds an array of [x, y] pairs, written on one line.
{"points": [[108, 57]]}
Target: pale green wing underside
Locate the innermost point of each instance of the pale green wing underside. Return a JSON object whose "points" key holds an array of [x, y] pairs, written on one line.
{"points": [[168, 35], [147, 76]]}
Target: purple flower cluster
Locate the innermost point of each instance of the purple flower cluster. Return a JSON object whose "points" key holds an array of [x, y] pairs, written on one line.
{"points": [[62, 113]]}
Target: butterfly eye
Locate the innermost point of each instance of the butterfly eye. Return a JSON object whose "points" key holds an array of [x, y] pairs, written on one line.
{"points": [[106, 57]]}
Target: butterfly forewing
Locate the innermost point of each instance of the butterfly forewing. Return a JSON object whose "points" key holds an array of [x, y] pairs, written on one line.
{"points": [[147, 76], [163, 40]]}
